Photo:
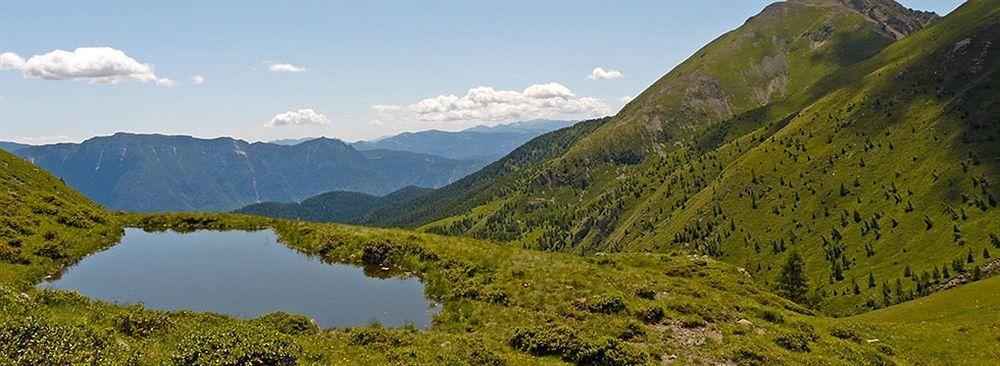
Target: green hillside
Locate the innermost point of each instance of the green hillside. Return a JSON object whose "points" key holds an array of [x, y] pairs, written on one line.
{"points": [[338, 206], [965, 323], [903, 125], [44, 224], [502, 304]]}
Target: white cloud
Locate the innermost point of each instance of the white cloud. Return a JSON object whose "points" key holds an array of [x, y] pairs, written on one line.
{"points": [[485, 105], [42, 140], [96, 65], [11, 61], [197, 79], [285, 68], [602, 74], [625, 99], [305, 116]]}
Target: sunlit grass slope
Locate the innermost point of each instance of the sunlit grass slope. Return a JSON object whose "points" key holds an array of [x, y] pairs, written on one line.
{"points": [[502, 304]]}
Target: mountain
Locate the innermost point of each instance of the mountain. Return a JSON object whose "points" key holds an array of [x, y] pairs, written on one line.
{"points": [[291, 142], [537, 127], [483, 143], [853, 132], [493, 182], [519, 306], [157, 173], [338, 206], [12, 146]]}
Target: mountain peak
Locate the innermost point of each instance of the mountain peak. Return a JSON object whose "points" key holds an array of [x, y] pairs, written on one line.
{"points": [[891, 17]]}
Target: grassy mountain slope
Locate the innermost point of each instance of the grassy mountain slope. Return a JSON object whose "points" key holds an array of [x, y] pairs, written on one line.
{"points": [[44, 223], [775, 56], [899, 126], [965, 323], [762, 72], [502, 304], [492, 182], [894, 171], [157, 173], [338, 206]]}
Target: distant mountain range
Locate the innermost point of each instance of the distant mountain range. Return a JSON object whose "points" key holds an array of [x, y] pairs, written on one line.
{"points": [[138, 172], [180, 173], [483, 143], [337, 206], [12, 146]]}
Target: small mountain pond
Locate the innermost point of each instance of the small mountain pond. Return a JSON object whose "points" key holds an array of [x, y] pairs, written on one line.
{"points": [[245, 275]]}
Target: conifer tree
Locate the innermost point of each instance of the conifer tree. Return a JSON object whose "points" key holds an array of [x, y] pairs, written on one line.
{"points": [[792, 282], [871, 280]]}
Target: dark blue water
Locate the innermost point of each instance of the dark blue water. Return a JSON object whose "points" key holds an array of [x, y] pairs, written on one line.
{"points": [[242, 274]]}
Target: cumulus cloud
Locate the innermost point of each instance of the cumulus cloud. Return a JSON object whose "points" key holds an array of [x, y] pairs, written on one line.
{"points": [[285, 68], [625, 99], [487, 105], [305, 116], [602, 74], [11, 61], [197, 79], [96, 65]]}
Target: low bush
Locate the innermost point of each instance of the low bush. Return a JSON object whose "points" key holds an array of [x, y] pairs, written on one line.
{"points": [[650, 314], [607, 304], [546, 340], [376, 335], [845, 334], [288, 323], [240, 345], [140, 323]]}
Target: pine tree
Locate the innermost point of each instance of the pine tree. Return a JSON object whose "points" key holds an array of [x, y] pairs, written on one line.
{"points": [[907, 272], [871, 280], [899, 291], [969, 258], [976, 274], [886, 294], [792, 282], [986, 253], [857, 290]]}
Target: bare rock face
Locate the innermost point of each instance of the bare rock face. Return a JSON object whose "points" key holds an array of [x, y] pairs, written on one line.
{"points": [[892, 18]]}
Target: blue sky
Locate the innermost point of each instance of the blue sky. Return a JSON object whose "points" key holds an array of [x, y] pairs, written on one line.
{"points": [[370, 69]]}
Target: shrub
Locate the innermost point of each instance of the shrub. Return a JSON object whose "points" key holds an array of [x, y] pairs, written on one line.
{"points": [[846, 334], [772, 316], [797, 339], [12, 255], [140, 323], [478, 354], [288, 323], [240, 345], [646, 293], [610, 351], [35, 341], [546, 340], [53, 249], [793, 341], [749, 354], [650, 314], [375, 334], [607, 304]]}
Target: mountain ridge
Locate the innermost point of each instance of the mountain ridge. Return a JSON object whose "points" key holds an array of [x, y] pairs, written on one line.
{"points": [[162, 172]]}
